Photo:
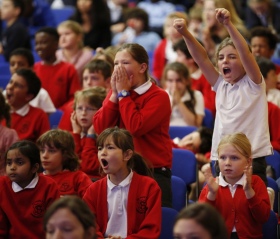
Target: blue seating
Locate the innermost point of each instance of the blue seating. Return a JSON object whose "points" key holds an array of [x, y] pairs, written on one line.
{"points": [[168, 218], [179, 193], [272, 184], [63, 14], [270, 227], [208, 120], [180, 131], [274, 161], [4, 80], [4, 68], [54, 118]]}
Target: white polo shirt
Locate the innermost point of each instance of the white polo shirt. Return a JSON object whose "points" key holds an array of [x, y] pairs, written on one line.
{"points": [[242, 107]]}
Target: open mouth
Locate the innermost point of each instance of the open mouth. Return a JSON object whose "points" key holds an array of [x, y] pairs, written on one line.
{"points": [[226, 70], [104, 162]]}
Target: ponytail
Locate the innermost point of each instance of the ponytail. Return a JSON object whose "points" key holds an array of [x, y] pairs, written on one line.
{"points": [[138, 164]]}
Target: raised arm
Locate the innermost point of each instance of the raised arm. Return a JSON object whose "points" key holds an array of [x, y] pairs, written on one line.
{"points": [[197, 51], [248, 60]]}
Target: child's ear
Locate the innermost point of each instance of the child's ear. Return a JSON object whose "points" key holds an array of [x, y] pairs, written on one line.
{"points": [[128, 154], [143, 67], [249, 161], [35, 168]]}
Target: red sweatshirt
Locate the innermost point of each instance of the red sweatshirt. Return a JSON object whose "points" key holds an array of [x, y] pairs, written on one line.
{"points": [[61, 81], [247, 215], [274, 126], [143, 207], [147, 117], [21, 213]]}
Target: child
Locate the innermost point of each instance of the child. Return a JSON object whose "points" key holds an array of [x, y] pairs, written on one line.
{"points": [[86, 103], [29, 122], [71, 45], [96, 73], [187, 104], [16, 34], [60, 79], [23, 58], [69, 217], [137, 30], [193, 222], [239, 196], [198, 80], [240, 90], [7, 136], [60, 162], [133, 103], [126, 203], [24, 195]]}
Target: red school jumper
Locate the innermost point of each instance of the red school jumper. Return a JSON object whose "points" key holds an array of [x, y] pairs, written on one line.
{"points": [[61, 81], [247, 215], [21, 213], [147, 117], [143, 207]]}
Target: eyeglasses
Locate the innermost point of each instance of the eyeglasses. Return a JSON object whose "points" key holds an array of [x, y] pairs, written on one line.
{"points": [[86, 109]]}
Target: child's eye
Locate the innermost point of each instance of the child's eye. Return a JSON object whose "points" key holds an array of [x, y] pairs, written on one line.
{"points": [[99, 148], [20, 162], [8, 163]]}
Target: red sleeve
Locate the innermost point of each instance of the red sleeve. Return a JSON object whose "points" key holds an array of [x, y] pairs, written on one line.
{"points": [[274, 126], [82, 182], [159, 60], [4, 225], [65, 122]]}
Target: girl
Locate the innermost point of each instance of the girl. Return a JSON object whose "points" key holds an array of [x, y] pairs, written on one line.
{"points": [[133, 103], [94, 17], [60, 162], [71, 45], [241, 198], [240, 90], [24, 195], [187, 104], [128, 203], [69, 217], [86, 103], [7, 136], [193, 222]]}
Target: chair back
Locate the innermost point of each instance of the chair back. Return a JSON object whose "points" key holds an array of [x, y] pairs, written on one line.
{"points": [[270, 227], [274, 161], [168, 218], [179, 193], [208, 119], [180, 131], [272, 184], [54, 118]]}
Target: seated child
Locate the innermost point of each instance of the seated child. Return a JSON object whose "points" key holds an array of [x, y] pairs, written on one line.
{"points": [[187, 104], [86, 103], [138, 213], [7, 136], [29, 122], [16, 34], [60, 162], [96, 73], [239, 196], [59, 79], [23, 58], [24, 195]]}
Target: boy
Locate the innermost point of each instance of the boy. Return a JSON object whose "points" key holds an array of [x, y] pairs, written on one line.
{"points": [[199, 81], [60, 79], [28, 121], [96, 73], [24, 195], [23, 58], [15, 35]]}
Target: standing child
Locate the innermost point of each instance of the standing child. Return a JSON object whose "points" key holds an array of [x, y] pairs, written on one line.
{"points": [[29, 122], [86, 103], [187, 104], [60, 162], [239, 196], [7, 136], [24, 195], [127, 202], [60, 79], [138, 105], [240, 90]]}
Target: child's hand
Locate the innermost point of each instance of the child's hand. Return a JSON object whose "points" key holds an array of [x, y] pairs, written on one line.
{"points": [[123, 81], [213, 185], [222, 16], [176, 97], [75, 126], [180, 25], [247, 186]]}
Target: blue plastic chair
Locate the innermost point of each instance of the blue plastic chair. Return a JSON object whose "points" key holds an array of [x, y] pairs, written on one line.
{"points": [[274, 161], [272, 184], [270, 227], [208, 120], [4, 80], [54, 118], [179, 193], [168, 218], [63, 14], [180, 131]]}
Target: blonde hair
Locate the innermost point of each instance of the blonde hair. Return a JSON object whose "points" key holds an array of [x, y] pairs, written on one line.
{"points": [[74, 27], [240, 142]]}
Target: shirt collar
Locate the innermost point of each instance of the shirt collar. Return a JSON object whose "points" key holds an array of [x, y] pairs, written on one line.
{"points": [[223, 183], [23, 110], [55, 63], [16, 188], [123, 183], [140, 90]]}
